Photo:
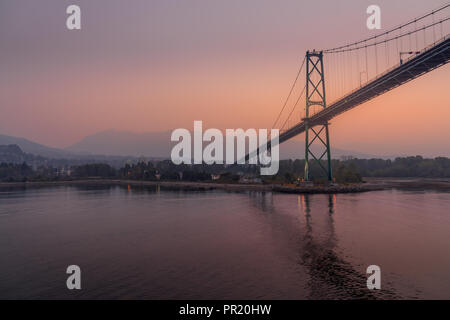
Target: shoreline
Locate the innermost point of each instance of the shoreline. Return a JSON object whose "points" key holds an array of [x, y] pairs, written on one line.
{"points": [[370, 184]]}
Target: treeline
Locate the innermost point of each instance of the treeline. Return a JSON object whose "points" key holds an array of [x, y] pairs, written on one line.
{"points": [[149, 171], [353, 170], [164, 170], [15, 172], [404, 167], [290, 171]]}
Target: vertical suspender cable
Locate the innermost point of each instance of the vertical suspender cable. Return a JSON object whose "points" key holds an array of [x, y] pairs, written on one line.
{"points": [[367, 63], [376, 59], [434, 31], [417, 35]]}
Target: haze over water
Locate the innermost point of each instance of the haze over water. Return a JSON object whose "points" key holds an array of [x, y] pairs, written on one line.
{"points": [[148, 243]]}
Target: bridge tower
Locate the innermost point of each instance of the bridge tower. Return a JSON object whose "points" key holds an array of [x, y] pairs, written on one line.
{"points": [[315, 96]]}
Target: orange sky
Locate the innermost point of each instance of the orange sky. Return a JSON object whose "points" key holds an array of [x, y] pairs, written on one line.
{"points": [[59, 87]]}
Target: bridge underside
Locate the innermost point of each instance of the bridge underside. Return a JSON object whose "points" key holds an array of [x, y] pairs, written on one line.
{"points": [[424, 62]]}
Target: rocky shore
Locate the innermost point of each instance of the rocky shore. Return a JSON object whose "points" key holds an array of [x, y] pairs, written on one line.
{"points": [[370, 184], [204, 186]]}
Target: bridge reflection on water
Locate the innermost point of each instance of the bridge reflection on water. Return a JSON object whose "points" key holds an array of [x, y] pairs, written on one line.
{"points": [[331, 276]]}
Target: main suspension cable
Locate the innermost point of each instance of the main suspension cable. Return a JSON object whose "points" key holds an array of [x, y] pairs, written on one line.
{"points": [[290, 92]]}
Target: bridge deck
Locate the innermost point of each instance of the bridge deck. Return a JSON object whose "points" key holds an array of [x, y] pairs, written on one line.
{"points": [[429, 59]]}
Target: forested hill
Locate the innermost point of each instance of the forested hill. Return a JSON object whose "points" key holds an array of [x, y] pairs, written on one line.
{"points": [[12, 153]]}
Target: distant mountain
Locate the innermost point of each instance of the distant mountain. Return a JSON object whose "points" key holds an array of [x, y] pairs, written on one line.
{"points": [[158, 145], [118, 145], [33, 152], [125, 143], [33, 147]]}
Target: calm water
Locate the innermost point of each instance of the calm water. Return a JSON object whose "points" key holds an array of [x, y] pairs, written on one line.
{"points": [[146, 243]]}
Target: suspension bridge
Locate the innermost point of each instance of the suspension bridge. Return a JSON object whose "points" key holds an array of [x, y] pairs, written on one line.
{"points": [[356, 73]]}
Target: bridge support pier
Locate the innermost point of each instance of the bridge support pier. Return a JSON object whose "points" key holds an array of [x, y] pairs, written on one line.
{"points": [[315, 96]]}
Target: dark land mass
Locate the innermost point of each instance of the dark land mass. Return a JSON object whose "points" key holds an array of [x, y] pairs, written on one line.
{"points": [[18, 168], [372, 184]]}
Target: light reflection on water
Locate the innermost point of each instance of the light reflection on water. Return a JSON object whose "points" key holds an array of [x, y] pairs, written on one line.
{"points": [[155, 244]]}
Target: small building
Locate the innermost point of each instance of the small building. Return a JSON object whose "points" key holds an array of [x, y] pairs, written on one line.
{"points": [[303, 183], [250, 180]]}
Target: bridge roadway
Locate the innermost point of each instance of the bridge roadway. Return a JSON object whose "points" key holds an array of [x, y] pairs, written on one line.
{"points": [[428, 60]]}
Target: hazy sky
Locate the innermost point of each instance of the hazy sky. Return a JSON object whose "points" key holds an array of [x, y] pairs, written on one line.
{"points": [[147, 65]]}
